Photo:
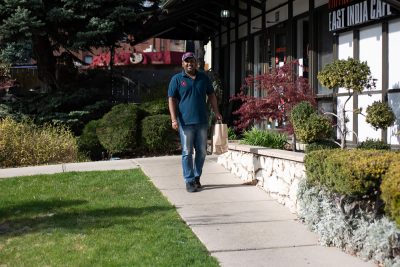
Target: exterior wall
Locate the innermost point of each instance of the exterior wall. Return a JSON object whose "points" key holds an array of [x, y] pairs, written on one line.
{"points": [[275, 171]]}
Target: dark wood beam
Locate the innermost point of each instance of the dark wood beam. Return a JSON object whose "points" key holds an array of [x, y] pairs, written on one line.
{"points": [[254, 3]]}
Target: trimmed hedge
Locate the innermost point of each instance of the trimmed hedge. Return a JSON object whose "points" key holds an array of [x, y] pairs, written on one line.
{"points": [[119, 130], [391, 191], [156, 107], [89, 143], [158, 135], [322, 144], [350, 172], [26, 144], [373, 144]]}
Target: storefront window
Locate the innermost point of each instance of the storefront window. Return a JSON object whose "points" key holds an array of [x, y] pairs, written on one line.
{"points": [[325, 43], [302, 46], [371, 40], [394, 54]]}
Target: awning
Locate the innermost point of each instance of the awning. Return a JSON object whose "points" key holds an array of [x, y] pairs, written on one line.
{"points": [[128, 58]]}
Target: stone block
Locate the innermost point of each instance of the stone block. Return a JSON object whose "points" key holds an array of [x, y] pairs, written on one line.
{"points": [[300, 170]]}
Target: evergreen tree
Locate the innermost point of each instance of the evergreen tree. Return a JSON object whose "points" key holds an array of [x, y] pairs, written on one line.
{"points": [[72, 25]]}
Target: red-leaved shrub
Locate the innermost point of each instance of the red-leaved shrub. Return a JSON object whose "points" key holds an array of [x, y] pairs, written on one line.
{"points": [[281, 89]]}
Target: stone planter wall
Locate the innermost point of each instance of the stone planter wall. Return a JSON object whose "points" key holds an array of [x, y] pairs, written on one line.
{"points": [[278, 172]]}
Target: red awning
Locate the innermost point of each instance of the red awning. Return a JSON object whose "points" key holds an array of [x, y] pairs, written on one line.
{"points": [[128, 58]]}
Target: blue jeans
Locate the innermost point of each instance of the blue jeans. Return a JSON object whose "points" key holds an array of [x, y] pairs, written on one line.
{"points": [[193, 136]]}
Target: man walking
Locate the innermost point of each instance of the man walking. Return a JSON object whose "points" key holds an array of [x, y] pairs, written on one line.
{"points": [[187, 103]]}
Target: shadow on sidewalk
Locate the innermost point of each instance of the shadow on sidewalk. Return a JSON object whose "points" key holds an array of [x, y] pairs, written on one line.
{"points": [[218, 186]]}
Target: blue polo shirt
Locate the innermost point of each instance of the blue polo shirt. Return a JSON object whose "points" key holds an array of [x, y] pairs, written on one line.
{"points": [[191, 96]]}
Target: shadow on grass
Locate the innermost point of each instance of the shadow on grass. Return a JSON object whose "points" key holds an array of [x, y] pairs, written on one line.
{"points": [[38, 206], [44, 217]]}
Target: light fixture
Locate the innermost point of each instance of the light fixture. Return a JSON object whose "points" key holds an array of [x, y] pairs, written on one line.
{"points": [[148, 3], [225, 13]]}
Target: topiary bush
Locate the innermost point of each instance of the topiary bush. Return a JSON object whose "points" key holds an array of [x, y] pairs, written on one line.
{"points": [[351, 74], [373, 144], [380, 115], [391, 191], [25, 144], [119, 130], [157, 134], [263, 138], [89, 143]]}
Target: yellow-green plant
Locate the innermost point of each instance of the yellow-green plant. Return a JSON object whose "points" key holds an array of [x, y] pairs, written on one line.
{"points": [[353, 173], [25, 144], [351, 74], [380, 115], [390, 188]]}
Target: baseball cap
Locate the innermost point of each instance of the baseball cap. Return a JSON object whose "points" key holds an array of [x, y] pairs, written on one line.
{"points": [[188, 55]]}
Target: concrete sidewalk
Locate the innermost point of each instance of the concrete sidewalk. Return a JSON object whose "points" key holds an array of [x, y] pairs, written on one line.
{"points": [[239, 224]]}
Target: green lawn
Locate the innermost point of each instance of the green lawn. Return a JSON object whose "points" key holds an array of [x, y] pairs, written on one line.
{"points": [[115, 218]]}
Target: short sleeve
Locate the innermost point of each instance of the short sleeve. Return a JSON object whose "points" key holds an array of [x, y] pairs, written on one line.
{"points": [[210, 88], [173, 88]]}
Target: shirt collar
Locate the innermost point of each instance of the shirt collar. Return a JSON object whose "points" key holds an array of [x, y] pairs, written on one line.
{"points": [[185, 75]]}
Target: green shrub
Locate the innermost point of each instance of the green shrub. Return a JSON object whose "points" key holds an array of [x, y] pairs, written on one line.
{"points": [[118, 130], [301, 112], [89, 143], [380, 115], [349, 172], [263, 138], [373, 144], [315, 128], [231, 134], [308, 125], [315, 166], [25, 144], [156, 107], [158, 135], [390, 188], [321, 144]]}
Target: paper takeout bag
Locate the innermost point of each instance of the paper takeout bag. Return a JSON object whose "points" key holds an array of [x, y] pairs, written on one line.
{"points": [[220, 138]]}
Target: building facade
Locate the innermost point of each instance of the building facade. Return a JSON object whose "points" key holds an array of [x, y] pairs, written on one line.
{"points": [[256, 36]]}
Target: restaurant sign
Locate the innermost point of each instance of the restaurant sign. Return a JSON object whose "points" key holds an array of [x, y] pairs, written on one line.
{"points": [[346, 13]]}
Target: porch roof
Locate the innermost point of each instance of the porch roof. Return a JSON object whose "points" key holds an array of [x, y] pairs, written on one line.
{"points": [[199, 19], [192, 19]]}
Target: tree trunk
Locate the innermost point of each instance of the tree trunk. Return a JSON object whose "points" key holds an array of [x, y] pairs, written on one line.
{"points": [[46, 62], [344, 129]]}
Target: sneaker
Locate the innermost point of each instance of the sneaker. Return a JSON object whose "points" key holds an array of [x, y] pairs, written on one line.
{"points": [[191, 187], [197, 182]]}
